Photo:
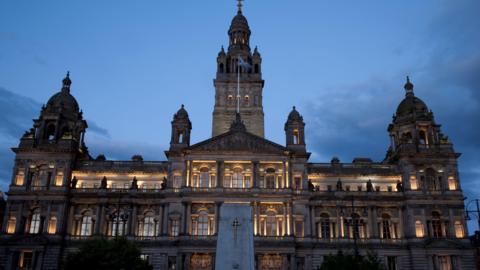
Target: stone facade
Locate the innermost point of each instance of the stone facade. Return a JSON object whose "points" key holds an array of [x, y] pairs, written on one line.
{"points": [[407, 208]]}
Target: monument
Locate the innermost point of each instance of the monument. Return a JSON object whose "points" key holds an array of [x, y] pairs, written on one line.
{"points": [[235, 237]]}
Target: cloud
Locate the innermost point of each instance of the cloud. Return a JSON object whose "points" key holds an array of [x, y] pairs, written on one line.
{"points": [[350, 120]]}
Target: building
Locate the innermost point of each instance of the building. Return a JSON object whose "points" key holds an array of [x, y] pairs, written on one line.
{"points": [[407, 208]]}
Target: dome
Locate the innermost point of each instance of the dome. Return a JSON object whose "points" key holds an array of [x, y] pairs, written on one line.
{"points": [[181, 113], [411, 104], [294, 116], [239, 22], [63, 99]]}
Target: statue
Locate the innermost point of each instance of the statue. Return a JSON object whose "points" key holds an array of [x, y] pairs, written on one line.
{"points": [[369, 186], [339, 185], [134, 185], [311, 187], [399, 186], [73, 183], [163, 186], [103, 183]]}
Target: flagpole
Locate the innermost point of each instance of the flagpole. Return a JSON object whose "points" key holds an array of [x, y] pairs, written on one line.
{"points": [[238, 86]]}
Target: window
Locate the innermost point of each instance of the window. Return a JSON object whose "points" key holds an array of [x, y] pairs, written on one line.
{"points": [[413, 183], [59, 179], [20, 177], [237, 178], [201, 226], [436, 225], [118, 224], [52, 225], [248, 181], [419, 229], [422, 137], [391, 263], [204, 177], [25, 262], [35, 223], [145, 257], [459, 229], [324, 226], [298, 227], [86, 226], [227, 181], [271, 224], [174, 227], [148, 227], [386, 232], [444, 263], [12, 222], [432, 182], [297, 181], [452, 184], [177, 181], [296, 136]]}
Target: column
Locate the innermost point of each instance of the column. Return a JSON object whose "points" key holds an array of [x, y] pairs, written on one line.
{"points": [[285, 232], [159, 226], [99, 219], [312, 221], [451, 224], [258, 218], [255, 227], [219, 174], [255, 174], [284, 176], [188, 218], [289, 219], [165, 219], [217, 216], [400, 223], [132, 221], [71, 220], [375, 223], [371, 221]]}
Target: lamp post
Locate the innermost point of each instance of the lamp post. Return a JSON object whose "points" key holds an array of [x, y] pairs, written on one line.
{"points": [[475, 212]]}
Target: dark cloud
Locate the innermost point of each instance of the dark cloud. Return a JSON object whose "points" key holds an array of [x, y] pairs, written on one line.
{"points": [[351, 120]]}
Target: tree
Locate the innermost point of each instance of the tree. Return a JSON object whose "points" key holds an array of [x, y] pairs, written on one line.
{"points": [[347, 261], [107, 255]]}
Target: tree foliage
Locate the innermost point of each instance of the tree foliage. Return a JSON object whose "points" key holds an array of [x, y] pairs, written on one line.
{"points": [[345, 261], [107, 255]]}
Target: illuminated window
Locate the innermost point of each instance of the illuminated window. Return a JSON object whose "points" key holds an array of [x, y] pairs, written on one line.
{"points": [[459, 229], [271, 224], [148, 227], [35, 222], [20, 177], [59, 179], [227, 181], [386, 230], [12, 222], [52, 225], [25, 261], [177, 181], [270, 179], [201, 224], [204, 177], [237, 178], [296, 137], [413, 183], [452, 184], [436, 225], [419, 232], [86, 226], [325, 226]]}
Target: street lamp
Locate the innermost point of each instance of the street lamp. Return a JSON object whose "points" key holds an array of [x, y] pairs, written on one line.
{"points": [[474, 212]]}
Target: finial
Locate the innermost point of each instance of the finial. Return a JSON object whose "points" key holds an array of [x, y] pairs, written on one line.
{"points": [[293, 108], [183, 106], [66, 82], [239, 5], [408, 87]]}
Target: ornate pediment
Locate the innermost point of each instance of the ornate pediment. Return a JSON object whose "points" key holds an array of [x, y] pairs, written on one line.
{"points": [[236, 140]]}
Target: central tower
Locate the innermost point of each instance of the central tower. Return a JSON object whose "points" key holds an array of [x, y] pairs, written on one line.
{"points": [[238, 68]]}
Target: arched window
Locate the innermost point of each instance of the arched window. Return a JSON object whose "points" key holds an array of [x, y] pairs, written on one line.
{"points": [[419, 231], [35, 221], [459, 233], [256, 68], [201, 224], [386, 227], [296, 136], [86, 224], [271, 224], [237, 178], [148, 226], [325, 226], [12, 222], [50, 132], [436, 225], [180, 137], [204, 177], [220, 68], [117, 224], [52, 225]]}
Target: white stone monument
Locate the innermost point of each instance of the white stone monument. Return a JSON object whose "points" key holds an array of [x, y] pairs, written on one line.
{"points": [[235, 238]]}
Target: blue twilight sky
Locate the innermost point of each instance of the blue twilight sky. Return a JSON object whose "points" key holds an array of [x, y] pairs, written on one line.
{"points": [[342, 63]]}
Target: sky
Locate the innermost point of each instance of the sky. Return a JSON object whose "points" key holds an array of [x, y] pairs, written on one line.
{"points": [[341, 63]]}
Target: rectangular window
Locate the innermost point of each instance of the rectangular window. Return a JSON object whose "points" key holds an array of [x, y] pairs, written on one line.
{"points": [[248, 181], [195, 180], [177, 181], [459, 229], [452, 184], [145, 257], [20, 177], [297, 181], [59, 179], [25, 261], [391, 263], [413, 183], [444, 263], [12, 222], [52, 225], [174, 227], [299, 228], [227, 181]]}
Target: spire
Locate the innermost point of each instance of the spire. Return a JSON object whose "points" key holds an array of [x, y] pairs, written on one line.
{"points": [[66, 82], [239, 5], [408, 87]]}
